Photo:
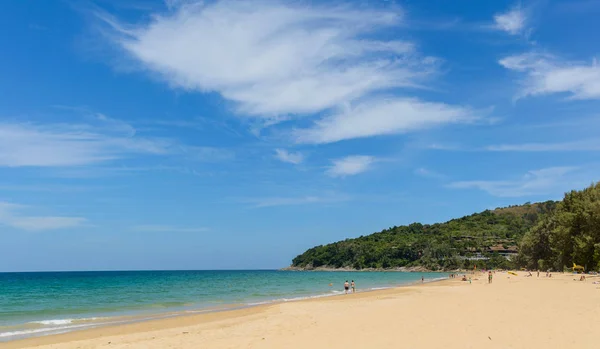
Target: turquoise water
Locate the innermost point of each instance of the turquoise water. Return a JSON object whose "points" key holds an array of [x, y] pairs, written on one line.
{"points": [[33, 304]]}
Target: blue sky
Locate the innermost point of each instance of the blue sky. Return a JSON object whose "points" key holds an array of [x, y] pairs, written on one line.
{"points": [[234, 135]]}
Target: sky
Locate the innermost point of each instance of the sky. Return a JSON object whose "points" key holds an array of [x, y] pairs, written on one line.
{"points": [[188, 134]]}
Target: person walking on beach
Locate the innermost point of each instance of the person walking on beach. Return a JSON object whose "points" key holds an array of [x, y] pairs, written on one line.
{"points": [[353, 285], [346, 287], [490, 276]]}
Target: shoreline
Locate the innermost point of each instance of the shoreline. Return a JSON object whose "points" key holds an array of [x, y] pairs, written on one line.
{"points": [[72, 325], [191, 316], [513, 311]]}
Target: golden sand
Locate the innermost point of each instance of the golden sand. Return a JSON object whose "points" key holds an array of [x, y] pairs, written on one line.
{"points": [[513, 312]]}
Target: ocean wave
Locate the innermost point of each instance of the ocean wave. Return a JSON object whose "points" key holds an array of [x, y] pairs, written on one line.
{"points": [[40, 331], [58, 322], [53, 322], [295, 299], [56, 326]]}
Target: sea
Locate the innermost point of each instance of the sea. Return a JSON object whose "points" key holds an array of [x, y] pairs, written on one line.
{"points": [[43, 303]]}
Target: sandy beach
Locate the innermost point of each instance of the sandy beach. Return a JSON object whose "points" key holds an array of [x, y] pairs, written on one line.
{"points": [[512, 312]]}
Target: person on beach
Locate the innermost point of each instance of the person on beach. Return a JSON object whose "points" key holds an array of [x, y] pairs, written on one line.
{"points": [[353, 285], [422, 279], [346, 287], [490, 277]]}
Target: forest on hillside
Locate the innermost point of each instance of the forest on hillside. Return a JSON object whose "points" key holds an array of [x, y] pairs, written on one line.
{"points": [[546, 235], [571, 234]]}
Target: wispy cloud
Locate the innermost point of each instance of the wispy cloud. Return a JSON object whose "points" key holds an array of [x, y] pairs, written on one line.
{"points": [[423, 172], [65, 145], [205, 154], [12, 215], [116, 125], [443, 146], [274, 57], [350, 165], [51, 188], [294, 200], [513, 21], [545, 181], [167, 229], [546, 74], [383, 117], [585, 145], [292, 158], [61, 145]]}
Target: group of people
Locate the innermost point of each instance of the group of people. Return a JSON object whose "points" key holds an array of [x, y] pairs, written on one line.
{"points": [[348, 285]]}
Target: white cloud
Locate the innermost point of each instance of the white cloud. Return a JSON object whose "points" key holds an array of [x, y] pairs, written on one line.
{"points": [[545, 74], [586, 145], [167, 229], [513, 22], [292, 158], [546, 181], [10, 215], [383, 117], [274, 57], [62, 145], [350, 165]]}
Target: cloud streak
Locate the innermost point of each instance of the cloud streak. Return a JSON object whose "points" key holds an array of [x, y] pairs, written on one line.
{"points": [[586, 145], [295, 200], [383, 117], [544, 74], [63, 145], [60, 145], [423, 172], [11, 215], [538, 182], [167, 229]]}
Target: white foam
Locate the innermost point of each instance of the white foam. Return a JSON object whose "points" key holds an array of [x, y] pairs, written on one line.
{"points": [[55, 326], [58, 322], [48, 330], [53, 322]]}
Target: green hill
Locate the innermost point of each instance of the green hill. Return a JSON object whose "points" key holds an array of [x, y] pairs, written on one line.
{"points": [[485, 238], [547, 235]]}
